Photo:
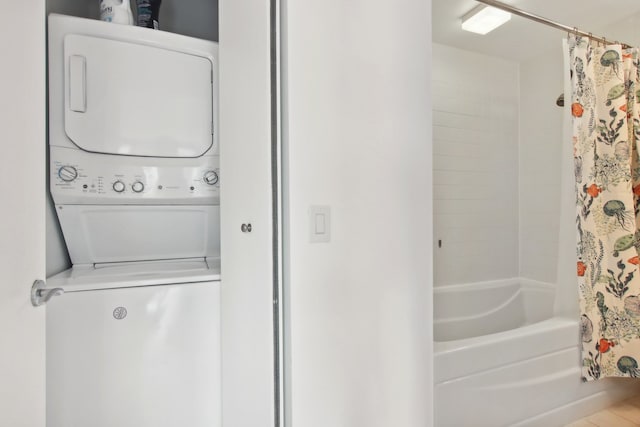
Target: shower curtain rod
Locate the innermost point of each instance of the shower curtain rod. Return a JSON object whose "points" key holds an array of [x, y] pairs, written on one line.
{"points": [[545, 21]]}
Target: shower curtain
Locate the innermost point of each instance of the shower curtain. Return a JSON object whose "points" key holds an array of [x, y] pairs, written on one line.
{"points": [[606, 125]]}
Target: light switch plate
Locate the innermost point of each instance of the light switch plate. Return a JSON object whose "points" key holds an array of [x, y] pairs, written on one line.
{"points": [[319, 224]]}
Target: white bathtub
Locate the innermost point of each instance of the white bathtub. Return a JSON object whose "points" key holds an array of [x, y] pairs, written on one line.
{"points": [[502, 359]]}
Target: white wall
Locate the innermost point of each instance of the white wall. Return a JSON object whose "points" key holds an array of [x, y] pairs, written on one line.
{"points": [[357, 138], [22, 222], [541, 140], [475, 113]]}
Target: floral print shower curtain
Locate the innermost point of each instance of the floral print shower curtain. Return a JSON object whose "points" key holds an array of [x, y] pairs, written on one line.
{"points": [[606, 125]]}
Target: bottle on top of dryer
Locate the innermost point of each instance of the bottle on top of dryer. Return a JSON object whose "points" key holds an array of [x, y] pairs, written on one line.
{"points": [[116, 11], [147, 12]]}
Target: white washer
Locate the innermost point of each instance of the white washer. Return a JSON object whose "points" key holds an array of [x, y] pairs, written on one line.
{"points": [[127, 347], [135, 338]]}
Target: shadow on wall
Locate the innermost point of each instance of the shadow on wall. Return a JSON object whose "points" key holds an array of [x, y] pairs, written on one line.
{"points": [[57, 256], [189, 17]]}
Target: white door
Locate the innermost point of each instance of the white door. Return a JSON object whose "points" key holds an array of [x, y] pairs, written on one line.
{"points": [[248, 387], [22, 224]]}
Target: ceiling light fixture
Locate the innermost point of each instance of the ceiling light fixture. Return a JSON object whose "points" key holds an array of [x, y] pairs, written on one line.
{"points": [[483, 19]]}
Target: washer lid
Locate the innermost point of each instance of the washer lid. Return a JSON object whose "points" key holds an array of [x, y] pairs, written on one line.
{"points": [[126, 98], [135, 274]]}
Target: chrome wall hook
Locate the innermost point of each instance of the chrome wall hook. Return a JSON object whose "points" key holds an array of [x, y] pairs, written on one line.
{"points": [[40, 295]]}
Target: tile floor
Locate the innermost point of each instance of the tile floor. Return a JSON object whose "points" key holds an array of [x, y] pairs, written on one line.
{"points": [[623, 414]]}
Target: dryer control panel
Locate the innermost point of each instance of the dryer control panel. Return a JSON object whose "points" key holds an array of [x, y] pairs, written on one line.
{"points": [[79, 177]]}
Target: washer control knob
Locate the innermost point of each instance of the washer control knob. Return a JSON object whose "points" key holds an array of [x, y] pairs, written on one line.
{"points": [[118, 186], [137, 187], [67, 173], [210, 177]]}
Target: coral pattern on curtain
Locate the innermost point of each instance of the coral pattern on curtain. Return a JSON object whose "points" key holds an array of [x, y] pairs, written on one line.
{"points": [[606, 125]]}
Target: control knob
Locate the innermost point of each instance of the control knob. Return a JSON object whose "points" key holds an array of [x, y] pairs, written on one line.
{"points": [[118, 186], [67, 173], [210, 177], [137, 187]]}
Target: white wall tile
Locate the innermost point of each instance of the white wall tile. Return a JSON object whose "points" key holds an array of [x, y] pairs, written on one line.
{"points": [[540, 158], [475, 166], [497, 141]]}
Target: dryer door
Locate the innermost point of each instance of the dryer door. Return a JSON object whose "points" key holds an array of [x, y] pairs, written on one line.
{"points": [[132, 99]]}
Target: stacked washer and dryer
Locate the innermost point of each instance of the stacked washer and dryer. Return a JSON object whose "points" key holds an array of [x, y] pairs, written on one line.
{"points": [[134, 337]]}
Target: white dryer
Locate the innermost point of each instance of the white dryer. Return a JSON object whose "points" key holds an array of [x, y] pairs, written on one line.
{"points": [[134, 340]]}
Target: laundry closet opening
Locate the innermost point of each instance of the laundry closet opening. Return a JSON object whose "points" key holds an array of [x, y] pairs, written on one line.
{"points": [[133, 293], [193, 18]]}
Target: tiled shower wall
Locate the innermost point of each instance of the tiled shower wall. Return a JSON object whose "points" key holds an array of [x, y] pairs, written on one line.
{"points": [[497, 155], [475, 126], [541, 139]]}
